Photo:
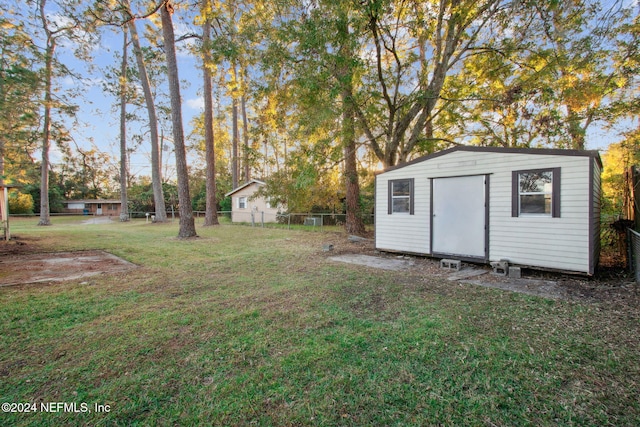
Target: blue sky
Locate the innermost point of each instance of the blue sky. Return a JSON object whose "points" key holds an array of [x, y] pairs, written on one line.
{"points": [[98, 115]]}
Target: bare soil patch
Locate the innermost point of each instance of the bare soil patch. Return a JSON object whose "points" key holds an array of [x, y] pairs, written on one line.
{"points": [[17, 266]]}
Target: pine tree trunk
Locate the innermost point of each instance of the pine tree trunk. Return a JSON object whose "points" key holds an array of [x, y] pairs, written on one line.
{"points": [[235, 170], [245, 137], [211, 215], [187, 223], [124, 209], [45, 218], [156, 171]]}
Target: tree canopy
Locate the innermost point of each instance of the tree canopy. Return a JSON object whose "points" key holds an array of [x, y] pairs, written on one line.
{"points": [[310, 96]]}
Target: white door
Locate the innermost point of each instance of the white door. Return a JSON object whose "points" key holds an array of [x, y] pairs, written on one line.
{"points": [[99, 210], [459, 216]]}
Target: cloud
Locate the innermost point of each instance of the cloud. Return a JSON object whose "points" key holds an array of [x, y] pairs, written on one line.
{"points": [[196, 103]]}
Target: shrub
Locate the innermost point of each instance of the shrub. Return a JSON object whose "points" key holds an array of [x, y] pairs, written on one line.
{"points": [[20, 203]]}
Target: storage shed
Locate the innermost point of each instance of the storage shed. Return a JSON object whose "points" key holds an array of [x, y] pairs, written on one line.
{"points": [[531, 207]]}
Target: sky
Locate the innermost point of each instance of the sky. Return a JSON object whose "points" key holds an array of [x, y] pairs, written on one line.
{"points": [[99, 117]]}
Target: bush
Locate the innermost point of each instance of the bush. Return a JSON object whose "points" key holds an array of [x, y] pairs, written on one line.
{"points": [[20, 203]]}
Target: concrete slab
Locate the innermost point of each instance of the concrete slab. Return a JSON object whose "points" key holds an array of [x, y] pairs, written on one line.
{"points": [[59, 266], [466, 273], [373, 261]]}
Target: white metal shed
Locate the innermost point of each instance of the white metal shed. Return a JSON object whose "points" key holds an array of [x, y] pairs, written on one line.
{"points": [[533, 207]]}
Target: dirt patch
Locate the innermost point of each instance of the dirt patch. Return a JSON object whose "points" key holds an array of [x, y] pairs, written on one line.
{"points": [[20, 268], [98, 220], [19, 245]]}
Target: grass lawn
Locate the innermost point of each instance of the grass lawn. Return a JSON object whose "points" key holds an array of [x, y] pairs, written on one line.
{"points": [[251, 326]]}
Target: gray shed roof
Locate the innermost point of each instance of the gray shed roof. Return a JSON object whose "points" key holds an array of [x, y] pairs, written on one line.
{"points": [[541, 151]]}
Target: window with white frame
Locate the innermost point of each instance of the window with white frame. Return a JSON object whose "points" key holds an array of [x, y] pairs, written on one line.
{"points": [[401, 196], [536, 192], [242, 202]]}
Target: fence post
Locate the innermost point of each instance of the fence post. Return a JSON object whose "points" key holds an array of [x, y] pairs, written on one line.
{"points": [[634, 253]]}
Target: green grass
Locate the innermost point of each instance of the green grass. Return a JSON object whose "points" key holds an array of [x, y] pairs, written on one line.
{"points": [[251, 326]]}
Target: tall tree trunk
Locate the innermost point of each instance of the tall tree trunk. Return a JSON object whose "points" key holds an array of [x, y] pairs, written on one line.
{"points": [[211, 215], [187, 223], [353, 223], [156, 167], [124, 208], [245, 137], [45, 218], [236, 133]]}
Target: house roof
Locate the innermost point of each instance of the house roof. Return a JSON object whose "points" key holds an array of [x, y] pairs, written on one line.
{"points": [[92, 201], [245, 185], [541, 151]]}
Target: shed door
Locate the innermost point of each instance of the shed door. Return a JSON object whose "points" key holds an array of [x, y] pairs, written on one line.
{"points": [[458, 213]]}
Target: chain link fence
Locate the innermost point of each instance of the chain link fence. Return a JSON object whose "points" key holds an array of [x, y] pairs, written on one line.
{"points": [[311, 221]]}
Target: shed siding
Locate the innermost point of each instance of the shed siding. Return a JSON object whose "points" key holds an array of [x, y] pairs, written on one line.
{"points": [[595, 219], [558, 243]]}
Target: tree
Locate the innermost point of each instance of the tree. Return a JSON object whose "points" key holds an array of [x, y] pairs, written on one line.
{"points": [[51, 43], [67, 23], [156, 177], [19, 90], [344, 73], [561, 69], [187, 223], [578, 66], [211, 217], [124, 213], [84, 174], [416, 44], [618, 160], [325, 63]]}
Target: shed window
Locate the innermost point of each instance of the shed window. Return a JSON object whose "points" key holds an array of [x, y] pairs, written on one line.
{"points": [[242, 202], [536, 192], [401, 196]]}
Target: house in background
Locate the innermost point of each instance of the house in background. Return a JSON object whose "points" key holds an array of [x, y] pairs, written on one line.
{"points": [[99, 207], [248, 206], [531, 207]]}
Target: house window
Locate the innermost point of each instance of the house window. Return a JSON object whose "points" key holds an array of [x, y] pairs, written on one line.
{"points": [[401, 196], [242, 203], [536, 192]]}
